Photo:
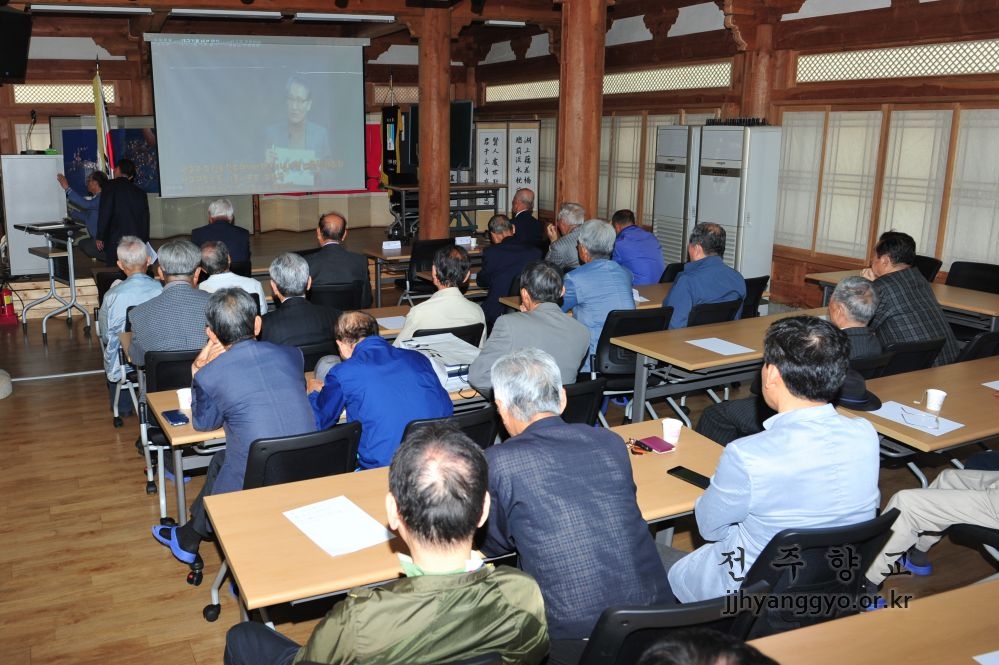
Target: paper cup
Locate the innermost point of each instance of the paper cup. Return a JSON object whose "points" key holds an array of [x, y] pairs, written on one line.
{"points": [[935, 399], [671, 429], [184, 398]]}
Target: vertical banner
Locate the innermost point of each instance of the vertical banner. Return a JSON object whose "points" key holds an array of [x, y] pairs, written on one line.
{"points": [[523, 162], [105, 152], [490, 157]]}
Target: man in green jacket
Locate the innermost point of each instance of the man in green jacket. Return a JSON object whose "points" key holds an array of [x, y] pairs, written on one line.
{"points": [[450, 605]]}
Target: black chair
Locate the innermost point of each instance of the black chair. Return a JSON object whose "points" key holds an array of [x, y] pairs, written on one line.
{"points": [[103, 279], [976, 276], [927, 265], [344, 297], [977, 535], [670, 273], [617, 364], [871, 367], [289, 459], [911, 356], [755, 286], [811, 562], [311, 353], [583, 400], [481, 425], [623, 633], [243, 268], [713, 312], [984, 345], [472, 333], [421, 259]]}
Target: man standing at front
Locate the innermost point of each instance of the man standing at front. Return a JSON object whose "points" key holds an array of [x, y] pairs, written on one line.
{"points": [[450, 605], [563, 497], [123, 211], [333, 263], [637, 250], [810, 468], [705, 278], [254, 390]]}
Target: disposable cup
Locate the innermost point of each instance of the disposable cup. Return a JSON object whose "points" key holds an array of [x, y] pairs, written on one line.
{"points": [[935, 399], [671, 429], [184, 398]]}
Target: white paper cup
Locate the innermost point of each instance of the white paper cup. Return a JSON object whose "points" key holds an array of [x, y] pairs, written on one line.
{"points": [[935, 399], [671, 429], [473, 243], [184, 398]]}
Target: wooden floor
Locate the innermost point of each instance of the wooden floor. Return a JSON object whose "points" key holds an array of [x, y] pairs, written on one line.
{"points": [[81, 579]]}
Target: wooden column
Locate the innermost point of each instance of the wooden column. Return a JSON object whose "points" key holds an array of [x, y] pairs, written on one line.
{"points": [[757, 74], [435, 122], [584, 25]]}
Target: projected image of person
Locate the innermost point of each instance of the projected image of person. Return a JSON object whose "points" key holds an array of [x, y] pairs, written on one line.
{"points": [[296, 146]]}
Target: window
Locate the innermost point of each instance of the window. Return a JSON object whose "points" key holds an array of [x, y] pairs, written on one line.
{"points": [[547, 136], [60, 93], [798, 188], [953, 58], [972, 232]]}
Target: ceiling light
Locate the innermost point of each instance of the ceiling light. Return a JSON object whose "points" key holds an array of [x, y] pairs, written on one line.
{"points": [[505, 24], [224, 13], [84, 9], [365, 18]]}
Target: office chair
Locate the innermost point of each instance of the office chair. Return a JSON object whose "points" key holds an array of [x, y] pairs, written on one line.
{"points": [[242, 268], [714, 312], [984, 345], [670, 273], [289, 459], [871, 367], [480, 425], [828, 561], [472, 333], [421, 259], [911, 356], [975, 276], [344, 297], [928, 266], [104, 279], [312, 353], [755, 286], [583, 400], [977, 535]]}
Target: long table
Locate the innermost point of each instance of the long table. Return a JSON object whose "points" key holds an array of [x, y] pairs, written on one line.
{"points": [[654, 295], [382, 257], [699, 368], [967, 307], [273, 562], [949, 627]]}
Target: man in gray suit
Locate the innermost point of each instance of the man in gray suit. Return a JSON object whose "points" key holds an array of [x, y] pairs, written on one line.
{"points": [[540, 323]]}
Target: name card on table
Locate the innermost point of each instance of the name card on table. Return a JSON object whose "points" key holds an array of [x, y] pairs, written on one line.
{"points": [[391, 244]]}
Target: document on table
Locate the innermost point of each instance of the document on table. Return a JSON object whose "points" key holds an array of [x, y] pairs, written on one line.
{"points": [[994, 385], [991, 658], [638, 297], [338, 526], [924, 421], [717, 345], [391, 322]]}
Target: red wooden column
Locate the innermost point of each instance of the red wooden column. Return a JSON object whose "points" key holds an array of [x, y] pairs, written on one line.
{"points": [[584, 24], [434, 33]]}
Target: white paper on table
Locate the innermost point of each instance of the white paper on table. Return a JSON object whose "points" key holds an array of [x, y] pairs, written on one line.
{"points": [[991, 658], [338, 526], [924, 421], [391, 322], [720, 346], [638, 297], [994, 385]]}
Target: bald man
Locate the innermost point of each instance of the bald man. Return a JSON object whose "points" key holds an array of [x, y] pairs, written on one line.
{"points": [[333, 263], [528, 228]]}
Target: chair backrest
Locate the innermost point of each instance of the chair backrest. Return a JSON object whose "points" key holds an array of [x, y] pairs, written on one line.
{"points": [[755, 286], [983, 345], [169, 370], [612, 359], [713, 312], [243, 268], [421, 259], [977, 276], [624, 632], [311, 353], [481, 425], [103, 279], [927, 265], [828, 562], [288, 459], [871, 367], [670, 273], [583, 400], [472, 333], [912, 356], [344, 297]]}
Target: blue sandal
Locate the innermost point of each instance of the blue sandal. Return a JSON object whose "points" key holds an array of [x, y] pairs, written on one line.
{"points": [[170, 540]]}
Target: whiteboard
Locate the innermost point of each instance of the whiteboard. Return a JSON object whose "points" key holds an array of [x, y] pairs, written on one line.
{"points": [[31, 194]]}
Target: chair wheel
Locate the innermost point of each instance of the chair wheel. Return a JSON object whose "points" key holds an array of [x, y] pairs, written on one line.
{"points": [[86, 330], [150, 487], [118, 422], [69, 322], [167, 521], [194, 578], [211, 612]]}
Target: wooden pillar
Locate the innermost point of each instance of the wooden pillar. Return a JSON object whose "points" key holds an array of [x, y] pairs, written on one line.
{"points": [[435, 123], [580, 106], [757, 73]]}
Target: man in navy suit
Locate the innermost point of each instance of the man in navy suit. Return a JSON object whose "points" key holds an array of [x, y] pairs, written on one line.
{"points": [[333, 263], [221, 227], [502, 262], [528, 227], [124, 211], [254, 390], [297, 321]]}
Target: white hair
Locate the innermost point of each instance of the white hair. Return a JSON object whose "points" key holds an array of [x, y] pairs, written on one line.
{"points": [[528, 382], [597, 236]]}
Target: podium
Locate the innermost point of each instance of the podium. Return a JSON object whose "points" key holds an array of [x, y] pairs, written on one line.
{"points": [[58, 245]]}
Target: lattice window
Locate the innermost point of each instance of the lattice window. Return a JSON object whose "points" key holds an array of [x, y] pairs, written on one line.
{"points": [[60, 93], [978, 57], [403, 94], [512, 92]]}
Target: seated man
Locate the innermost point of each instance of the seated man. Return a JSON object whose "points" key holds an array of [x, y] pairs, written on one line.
{"points": [[851, 306], [502, 262], [564, 237], [254, 390], [382, 387], [957, 496], [450, 605], [221, 226], [563, 497], [448, 307], [637, 250], [907, 309], [528, 228], [539, 323], [333, 263], [599, 284], [216, 263], [137, 288], [705, 278], [297, 321], [175, 319], [811, 468]]}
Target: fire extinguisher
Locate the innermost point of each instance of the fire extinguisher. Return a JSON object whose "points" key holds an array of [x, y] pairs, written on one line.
{"points": [[7, 315]]}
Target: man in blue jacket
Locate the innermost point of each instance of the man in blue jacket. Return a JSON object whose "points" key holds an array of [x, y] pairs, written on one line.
{"points": [[705, 278], [637, 250], [85, 210]]}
